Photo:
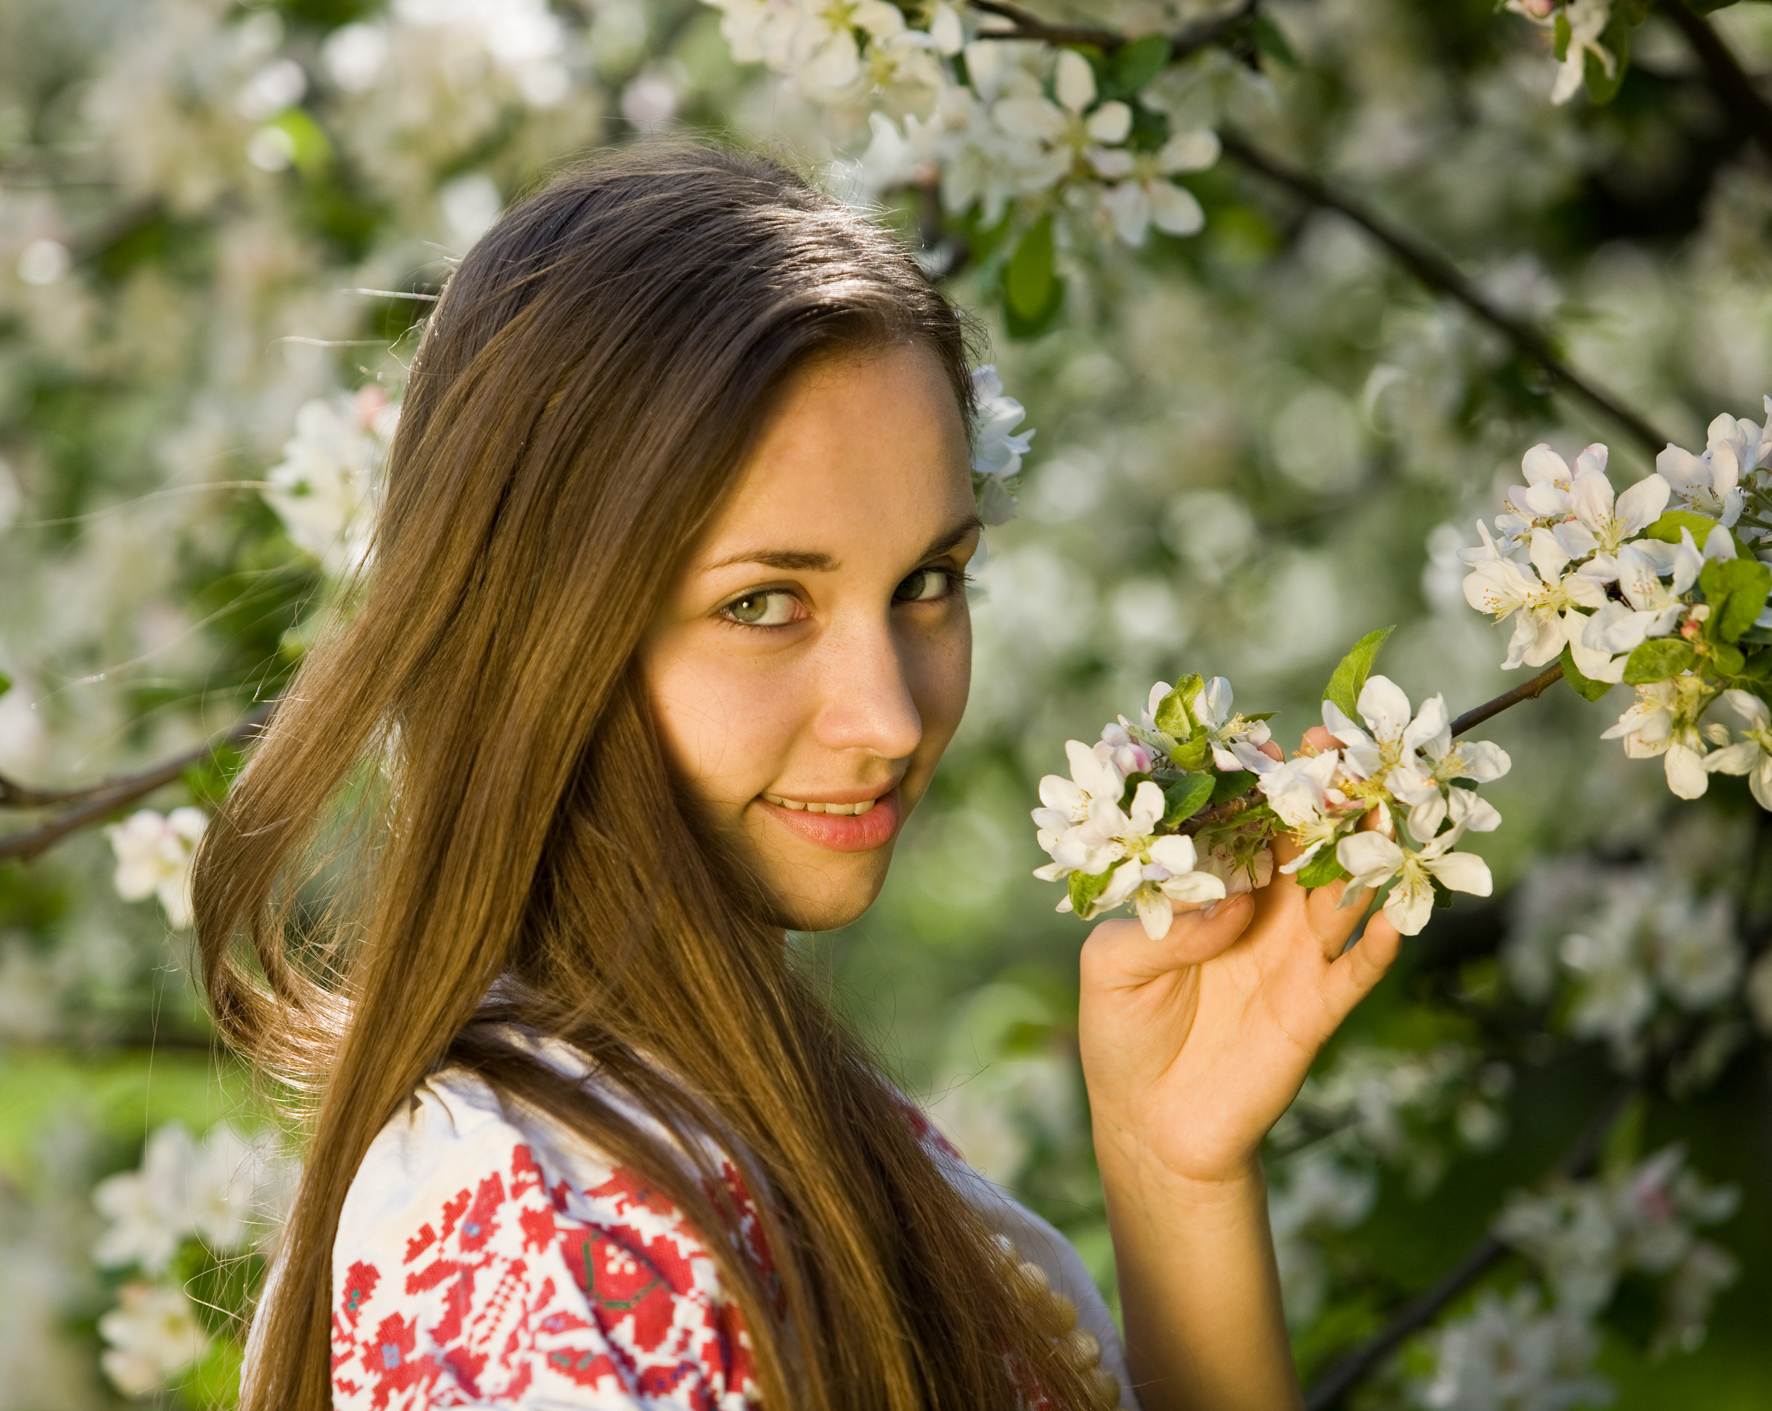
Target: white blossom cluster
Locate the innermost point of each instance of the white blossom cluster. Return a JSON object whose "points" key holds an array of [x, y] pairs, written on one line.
{"points": [[229, 1192], [325, 488], [1627, 943], [1585, 1236], [1118, 828], [1372, 1107], [1509, 1353], [989, 122], [1625, 589], [1526, 1352]]}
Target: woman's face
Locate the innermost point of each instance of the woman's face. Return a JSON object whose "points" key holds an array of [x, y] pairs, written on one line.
{"points": [[813, 660]]}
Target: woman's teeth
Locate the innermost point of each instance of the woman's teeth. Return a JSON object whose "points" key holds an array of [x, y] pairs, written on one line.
{"points": [[844, 808]]}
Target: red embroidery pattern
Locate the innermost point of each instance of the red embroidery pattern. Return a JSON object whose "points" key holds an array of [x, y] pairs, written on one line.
{"points": [[517, 1293]]}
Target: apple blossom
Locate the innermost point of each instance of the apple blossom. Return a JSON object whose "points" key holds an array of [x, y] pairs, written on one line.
{"points": [[154, 853], [1752, 753], [1373, 860]]}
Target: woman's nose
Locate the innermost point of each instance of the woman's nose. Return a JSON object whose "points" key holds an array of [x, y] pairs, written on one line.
{"points": [[867, 699]]}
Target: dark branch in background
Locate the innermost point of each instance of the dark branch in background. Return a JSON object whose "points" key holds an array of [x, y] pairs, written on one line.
{"points": [[1747, 110], [1188, 40], [96, 801], [1347, 1372], [1441, 275]]}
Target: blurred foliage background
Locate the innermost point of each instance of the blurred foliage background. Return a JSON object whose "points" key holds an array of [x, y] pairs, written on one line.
{"points": [[1254, 444]]}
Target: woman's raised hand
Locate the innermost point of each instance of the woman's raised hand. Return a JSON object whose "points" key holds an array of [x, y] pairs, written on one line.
{"points": [[1193, 1044]]}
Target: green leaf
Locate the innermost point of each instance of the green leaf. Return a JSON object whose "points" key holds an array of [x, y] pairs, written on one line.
{"points": [[1758, 666], [1350, 676], [1232, 784], [1132, 783], [1667, 528], [1192, 754], [1561, 34], [1032, 290], [1086, 887], [1590, 689], [1271, 42], [1322, 869], [5, 683], [1136, 64], [1736, 590], [1186, 797], [1726, 660], [1658, 659], [1174, 714]]}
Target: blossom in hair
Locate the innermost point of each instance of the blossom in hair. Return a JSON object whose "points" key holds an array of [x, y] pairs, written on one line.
{"points": [[997, 448]]}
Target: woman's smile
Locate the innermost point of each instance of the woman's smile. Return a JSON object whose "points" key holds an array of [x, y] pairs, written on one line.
{"points": [[842, 827]]}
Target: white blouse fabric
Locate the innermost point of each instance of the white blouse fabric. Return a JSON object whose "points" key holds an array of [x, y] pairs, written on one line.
{"points": [[486, 1258]]}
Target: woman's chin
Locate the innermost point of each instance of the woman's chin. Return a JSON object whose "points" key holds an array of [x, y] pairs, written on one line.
{"points": [[817, 900]]}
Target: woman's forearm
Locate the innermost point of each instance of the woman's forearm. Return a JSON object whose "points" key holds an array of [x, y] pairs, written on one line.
{"points": [[1198, 1287]]}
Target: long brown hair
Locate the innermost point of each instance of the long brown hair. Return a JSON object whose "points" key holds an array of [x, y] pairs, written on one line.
{"points": [[581, 399]]}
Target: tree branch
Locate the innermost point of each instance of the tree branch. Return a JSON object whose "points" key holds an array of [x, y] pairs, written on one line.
{"points": [[1030, 26], [1528, 691], [97, 801], [1748, 111], [1190, 39], [1442, 276], [1350, 1370]]}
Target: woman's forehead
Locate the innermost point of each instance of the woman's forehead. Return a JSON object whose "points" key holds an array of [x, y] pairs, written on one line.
{"points": [[861, 451]]}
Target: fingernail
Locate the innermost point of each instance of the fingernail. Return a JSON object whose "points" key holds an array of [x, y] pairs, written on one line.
{"points": [[1208, 913]]}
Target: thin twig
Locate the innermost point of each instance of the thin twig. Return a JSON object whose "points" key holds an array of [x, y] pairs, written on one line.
{"points": [[1348, 1371], [1031, 26], [1441, 275], [1529, 691], [98, 801], [1188, 40], [1747, 109]]}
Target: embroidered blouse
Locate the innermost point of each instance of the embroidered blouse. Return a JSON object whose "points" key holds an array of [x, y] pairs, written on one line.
{"points": [[487, 1258]]}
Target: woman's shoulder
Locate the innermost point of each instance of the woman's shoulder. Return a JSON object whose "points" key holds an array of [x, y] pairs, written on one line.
{"points": [[484, 1256]]}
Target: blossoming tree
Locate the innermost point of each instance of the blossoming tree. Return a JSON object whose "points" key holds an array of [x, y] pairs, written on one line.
{"points": [[1330, 315]]}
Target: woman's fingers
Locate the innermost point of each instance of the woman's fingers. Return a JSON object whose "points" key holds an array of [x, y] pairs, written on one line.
{"points": [[1333, 913], [1363, 965], [1119, 953]]}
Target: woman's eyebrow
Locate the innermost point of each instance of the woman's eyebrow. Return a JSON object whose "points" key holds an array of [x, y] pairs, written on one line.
{"points": [[788, 560], [808, 561], [942, 543]]}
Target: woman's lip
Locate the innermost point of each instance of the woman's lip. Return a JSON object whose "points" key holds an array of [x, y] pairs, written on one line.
{"points": [[842, 832]]}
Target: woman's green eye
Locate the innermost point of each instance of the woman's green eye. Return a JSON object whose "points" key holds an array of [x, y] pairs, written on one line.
{"points": [[926, 585], [771, 609]]}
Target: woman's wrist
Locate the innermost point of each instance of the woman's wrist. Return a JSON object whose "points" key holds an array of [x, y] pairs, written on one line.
{"points": [[1129, 1166]]}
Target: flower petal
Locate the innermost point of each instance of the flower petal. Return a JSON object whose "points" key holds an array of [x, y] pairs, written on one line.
{"points": [[1462, 872], [1174, 211], [1074, 82], [1372, 858]]}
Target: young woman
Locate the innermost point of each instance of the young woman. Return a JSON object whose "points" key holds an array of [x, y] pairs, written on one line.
{"points": [[664, 640]]}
